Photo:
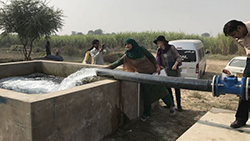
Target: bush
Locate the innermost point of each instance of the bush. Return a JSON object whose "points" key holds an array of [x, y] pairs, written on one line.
{"points": [[38, 50], [16, 48], [70, 51]]}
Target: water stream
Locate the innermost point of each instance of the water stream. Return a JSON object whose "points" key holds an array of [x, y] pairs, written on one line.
{"points": [[39, 83]]}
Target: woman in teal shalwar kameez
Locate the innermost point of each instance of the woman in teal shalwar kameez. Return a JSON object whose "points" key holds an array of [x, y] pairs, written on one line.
{"points": [[138, 59]]}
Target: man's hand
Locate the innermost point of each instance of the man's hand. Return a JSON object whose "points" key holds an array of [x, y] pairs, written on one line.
{"points": [[103, 45], [102, 48], [174, 67]]}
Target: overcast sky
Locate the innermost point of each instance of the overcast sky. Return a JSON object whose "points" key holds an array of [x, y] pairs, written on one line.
{"points": [[189, 16]]}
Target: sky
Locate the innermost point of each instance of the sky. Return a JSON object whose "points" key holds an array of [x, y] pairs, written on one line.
{"points": [[189, 16]]}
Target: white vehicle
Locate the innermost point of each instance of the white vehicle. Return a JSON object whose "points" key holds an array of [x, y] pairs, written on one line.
{"points": [[193, 57], [235, 67]]}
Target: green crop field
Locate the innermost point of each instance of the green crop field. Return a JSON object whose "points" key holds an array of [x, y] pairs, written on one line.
{"points": [[75, 46]]}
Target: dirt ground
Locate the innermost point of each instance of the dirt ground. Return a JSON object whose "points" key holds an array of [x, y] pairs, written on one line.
{"points": [[161, 126]]}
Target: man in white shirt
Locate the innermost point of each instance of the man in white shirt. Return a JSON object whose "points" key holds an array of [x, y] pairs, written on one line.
{"points": [[241, 33], [97, 53]]}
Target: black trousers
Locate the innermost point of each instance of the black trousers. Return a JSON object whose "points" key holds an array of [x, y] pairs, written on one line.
{"points": [[177, 96], [244, 105]]}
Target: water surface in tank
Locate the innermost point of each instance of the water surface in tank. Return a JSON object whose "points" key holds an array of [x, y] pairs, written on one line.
{"points": [[39, 83]]}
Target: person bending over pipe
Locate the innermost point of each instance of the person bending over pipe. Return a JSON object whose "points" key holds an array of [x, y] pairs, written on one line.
{"points": [[139, 59], [241, 33]]}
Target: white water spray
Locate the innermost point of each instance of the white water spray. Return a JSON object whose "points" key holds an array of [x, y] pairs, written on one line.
{"points": [[41, 83], [78, 78]]}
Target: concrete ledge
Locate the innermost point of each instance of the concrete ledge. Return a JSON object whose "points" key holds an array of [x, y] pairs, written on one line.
{"points": [[215, 126]]}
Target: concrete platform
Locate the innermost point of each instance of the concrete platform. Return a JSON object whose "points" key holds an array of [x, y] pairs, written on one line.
{"points": [[214, 126]]}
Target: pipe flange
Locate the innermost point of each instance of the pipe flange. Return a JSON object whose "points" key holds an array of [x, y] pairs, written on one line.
{"points": [[213, 85], [246, 88]]}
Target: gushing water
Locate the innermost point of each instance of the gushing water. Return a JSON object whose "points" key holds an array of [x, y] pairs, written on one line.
{"points": [[78, 78], [39, 83]]}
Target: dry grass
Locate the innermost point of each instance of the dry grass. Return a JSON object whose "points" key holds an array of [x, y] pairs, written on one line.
{"points": [[6, 56]]}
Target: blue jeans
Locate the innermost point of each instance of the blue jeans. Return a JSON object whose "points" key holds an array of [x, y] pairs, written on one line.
{"points": [[244, 105]]}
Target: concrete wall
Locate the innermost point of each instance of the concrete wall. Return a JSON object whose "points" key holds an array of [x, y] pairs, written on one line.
{"points": [[15, 120], [129, 103], [61, 69], [82, 114], [20, 68], [48, 67], [88, 112]]}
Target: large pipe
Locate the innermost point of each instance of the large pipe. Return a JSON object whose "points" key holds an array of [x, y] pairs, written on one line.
{"points": [[229, 85], [176, 82]]}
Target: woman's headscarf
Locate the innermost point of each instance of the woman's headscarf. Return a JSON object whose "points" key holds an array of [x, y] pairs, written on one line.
{"points": [[136, 51]]}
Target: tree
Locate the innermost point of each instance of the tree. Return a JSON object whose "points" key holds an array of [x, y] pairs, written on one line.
{"points": [[79, 33], [98, 32], [205, 34], [90, 32], [73, 32], [31, 20]]}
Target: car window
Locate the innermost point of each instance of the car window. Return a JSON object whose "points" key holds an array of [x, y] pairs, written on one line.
{"points": [[237, 63], [187, 55]]}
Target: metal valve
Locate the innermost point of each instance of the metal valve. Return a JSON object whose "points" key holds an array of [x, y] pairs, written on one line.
{"points": [[230, 85]]}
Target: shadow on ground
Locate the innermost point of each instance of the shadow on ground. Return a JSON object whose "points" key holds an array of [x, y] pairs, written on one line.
{"points": [[161, 126]]}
